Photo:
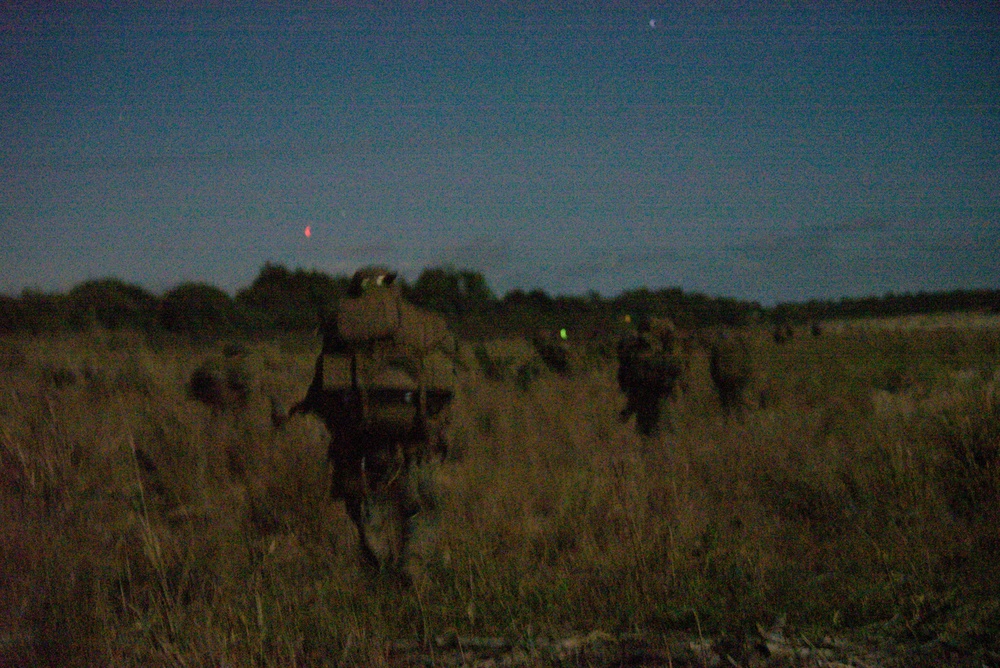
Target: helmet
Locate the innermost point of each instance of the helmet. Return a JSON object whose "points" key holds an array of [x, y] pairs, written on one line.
{"points": [[368, 278]]}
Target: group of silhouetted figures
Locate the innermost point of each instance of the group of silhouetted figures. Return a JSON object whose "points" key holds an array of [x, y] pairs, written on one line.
{"points": [[654, 359], [383, 386]]}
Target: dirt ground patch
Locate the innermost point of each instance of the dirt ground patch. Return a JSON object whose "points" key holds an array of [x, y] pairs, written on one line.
{"points": [[602, 650]]}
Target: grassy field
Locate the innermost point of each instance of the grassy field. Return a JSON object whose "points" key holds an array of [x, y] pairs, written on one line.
{"points": [[860, 497]]}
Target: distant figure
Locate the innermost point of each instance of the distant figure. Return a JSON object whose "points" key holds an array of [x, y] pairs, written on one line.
{"points": [[678, 347], [731, 369], [222, 383], [383, 386], [647, 373], [816, 329], [552, 350], [783, 332]]}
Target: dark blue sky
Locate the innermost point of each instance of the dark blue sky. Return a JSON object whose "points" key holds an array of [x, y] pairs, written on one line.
{"points": [[756, 152]]}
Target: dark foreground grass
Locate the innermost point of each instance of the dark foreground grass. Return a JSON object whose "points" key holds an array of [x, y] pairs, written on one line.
{"points": [[858, 497]]}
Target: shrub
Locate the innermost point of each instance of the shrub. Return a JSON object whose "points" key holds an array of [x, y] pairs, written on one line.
{"points": [[112, 304], [493, 368], [290, 300], [968, 434], [199, 310]]}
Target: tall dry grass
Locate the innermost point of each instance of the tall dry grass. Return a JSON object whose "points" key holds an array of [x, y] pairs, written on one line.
{"points": [[860, 494]]}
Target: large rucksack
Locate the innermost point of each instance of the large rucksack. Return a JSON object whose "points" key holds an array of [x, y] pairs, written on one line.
{"points": [[388, 366], [646, 364], [640, 363]]}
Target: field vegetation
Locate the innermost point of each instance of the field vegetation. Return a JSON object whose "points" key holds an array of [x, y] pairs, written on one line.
{"points": [[858, 497]]}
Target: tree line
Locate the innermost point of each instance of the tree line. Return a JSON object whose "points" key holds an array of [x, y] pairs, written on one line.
{"points": [[282, 300]]}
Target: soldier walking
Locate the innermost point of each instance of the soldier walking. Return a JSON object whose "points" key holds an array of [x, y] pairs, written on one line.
{"points": [[647, 373], [383, 386]]}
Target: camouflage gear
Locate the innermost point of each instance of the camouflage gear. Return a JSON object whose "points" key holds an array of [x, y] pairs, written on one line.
{"points": [[731, 369], [383, 385], [370, 278], [387, 499], [552, 351], [222, 383], [646, 374]]}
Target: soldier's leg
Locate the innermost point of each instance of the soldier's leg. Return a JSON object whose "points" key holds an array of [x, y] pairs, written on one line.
{"points": [[662, 420], [667, 399], [382, 510], [350, 482], [421, 503], [647, 416], [382, 516], [356, 511], [630, 406]]}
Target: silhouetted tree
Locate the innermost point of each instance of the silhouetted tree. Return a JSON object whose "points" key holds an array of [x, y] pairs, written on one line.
{"points": [[290, 300], [451, 291], [34, 312], [437, 289], [198, 309], [112, 304], [475, 291]]}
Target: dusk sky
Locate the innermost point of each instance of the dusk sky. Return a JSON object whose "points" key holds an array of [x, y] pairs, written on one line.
{"points": [[740, 150]]}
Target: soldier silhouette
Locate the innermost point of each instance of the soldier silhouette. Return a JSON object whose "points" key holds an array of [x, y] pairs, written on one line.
{"points": [[383, 386], [647, 372]]}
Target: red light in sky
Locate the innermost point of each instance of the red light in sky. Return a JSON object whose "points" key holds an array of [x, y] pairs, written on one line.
{"points": [[309, 231]]}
